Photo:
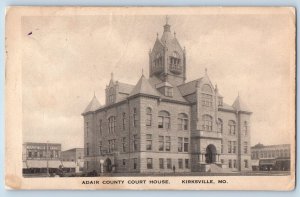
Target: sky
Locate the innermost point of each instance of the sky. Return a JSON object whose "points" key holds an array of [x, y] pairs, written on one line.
{"points": [[65, 59]]}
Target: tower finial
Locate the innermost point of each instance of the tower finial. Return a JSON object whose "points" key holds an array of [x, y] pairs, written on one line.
{"points": [[206, 71], [175, 34], [167, 19], [157, 35]]}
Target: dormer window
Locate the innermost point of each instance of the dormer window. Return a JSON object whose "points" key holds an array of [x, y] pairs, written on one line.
{"points": [[169, 91]]}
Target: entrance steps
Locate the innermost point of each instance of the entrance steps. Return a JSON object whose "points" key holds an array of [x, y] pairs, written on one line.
{"points": [[214, 168]]}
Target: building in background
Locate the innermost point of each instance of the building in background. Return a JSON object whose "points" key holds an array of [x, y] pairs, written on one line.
{"points": [[41, 157], [271, 157], [74, 156], [164, 124]]}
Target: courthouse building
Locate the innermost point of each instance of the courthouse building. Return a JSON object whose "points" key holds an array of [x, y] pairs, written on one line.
{"points": [[164, 123]]}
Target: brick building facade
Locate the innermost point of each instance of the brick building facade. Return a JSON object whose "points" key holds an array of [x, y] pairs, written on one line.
{"points": [[163, 123]]}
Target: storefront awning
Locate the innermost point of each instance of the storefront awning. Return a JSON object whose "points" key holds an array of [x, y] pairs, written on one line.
{"points": [[69, 164], [54, 163], [24, 164], [36, 164], [267, 162], [255, 162]]}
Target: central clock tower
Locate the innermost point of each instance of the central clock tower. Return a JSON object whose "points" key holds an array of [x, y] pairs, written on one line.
{"points": [[167, 60]]}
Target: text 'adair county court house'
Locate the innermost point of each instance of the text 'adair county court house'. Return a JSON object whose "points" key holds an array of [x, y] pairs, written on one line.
{"points": [[164, 123]]}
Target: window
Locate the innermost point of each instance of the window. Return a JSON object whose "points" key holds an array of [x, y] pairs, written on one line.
{"points": [[124, 144], [100, 147], [168, 143], [187, 163], [149, 163], [161, 143], [234, 163], [207, 123], [164, 119], [220, 125], [234, 147], [169, 163], [230, 163], [124, 120], [169, 91], [246, 163], [186, 145], [124, 162], [246, 128], [111, 124], [100, 127], [87, 129], [220, 101], [232, 126], [87, 149], [180, 140], [134, 117], [221, 145], [222, 161], [182, 122], [29, 154], [158, 60], [149, 117], [174, 62], [245, 147], [207, 100], [148, 142], [180, 163], [111, 145], [111, 95], [135, 143], [161, 163], [229, 146], [135, 163]]}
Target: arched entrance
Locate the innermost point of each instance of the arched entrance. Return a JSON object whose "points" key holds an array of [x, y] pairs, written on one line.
{"points": [[210, 155], [108, 165]]}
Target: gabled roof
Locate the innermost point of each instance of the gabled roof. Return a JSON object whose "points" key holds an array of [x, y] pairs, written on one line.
{"points": [[189, 87], [93, 105], [125, 88], [143, 87], [239, 105]]}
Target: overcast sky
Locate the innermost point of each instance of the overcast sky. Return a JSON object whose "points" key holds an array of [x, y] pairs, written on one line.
{"points": [[66, 59]]}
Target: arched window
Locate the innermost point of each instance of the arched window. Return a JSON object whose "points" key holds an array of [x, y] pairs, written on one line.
{"points": [[164, 120], [148, 116], [232, 127], [182, 122], [111, 95], [220, 125], [175, 62], [246, 128], [111, 124], [207, 123]]}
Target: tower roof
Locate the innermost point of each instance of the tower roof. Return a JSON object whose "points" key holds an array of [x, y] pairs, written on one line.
{"points": [[93, 105], [167, 35], [239, 105], [143, 87]]}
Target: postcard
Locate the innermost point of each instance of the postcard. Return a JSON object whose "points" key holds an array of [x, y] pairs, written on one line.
{"points": [[150, 98]]}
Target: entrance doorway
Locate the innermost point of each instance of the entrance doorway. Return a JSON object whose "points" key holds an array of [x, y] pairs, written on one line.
{"points": [[211, 152], [108, 165]]}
